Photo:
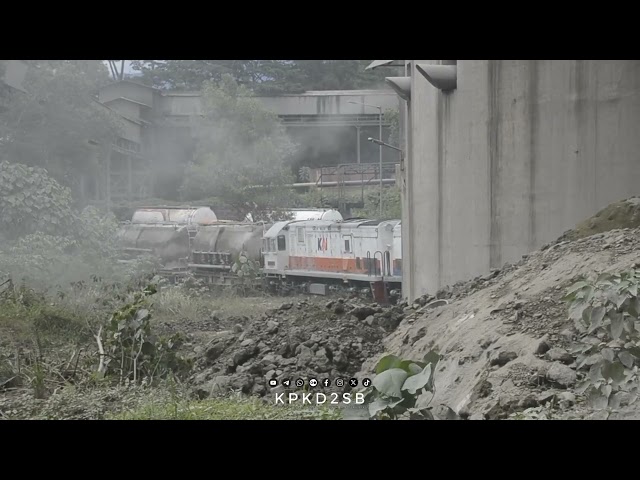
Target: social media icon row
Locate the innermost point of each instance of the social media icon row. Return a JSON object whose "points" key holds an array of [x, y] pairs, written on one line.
{"points": [[313, 382]]}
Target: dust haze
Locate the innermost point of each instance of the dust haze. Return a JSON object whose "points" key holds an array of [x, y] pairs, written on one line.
{"points": [[164, 254]]}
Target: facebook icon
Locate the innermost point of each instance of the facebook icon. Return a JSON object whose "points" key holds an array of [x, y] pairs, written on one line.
{"points": [[326, 382]]}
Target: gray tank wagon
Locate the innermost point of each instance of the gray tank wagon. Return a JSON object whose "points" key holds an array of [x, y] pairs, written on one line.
{"points": [[225, 252], [164, 232]]}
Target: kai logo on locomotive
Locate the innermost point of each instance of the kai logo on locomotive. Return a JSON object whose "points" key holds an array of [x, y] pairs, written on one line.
{"points": [[323, 244]]}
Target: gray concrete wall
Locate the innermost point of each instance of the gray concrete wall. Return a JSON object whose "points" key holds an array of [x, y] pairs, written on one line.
{"points": [[331, 102], [520, 152], [310, 103], [126, 108], [181, 105], [130, 130]]}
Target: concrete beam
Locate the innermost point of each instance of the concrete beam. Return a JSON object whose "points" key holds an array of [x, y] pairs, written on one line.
{"points": [[385, 63], [443, 77], [401, 85]]}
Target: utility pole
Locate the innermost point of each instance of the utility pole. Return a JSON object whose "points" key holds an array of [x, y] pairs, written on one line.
{"points": [[380, 152], [380, 148]]}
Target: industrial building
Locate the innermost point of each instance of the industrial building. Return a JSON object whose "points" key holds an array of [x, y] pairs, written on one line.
{"points": [[159, 128]]}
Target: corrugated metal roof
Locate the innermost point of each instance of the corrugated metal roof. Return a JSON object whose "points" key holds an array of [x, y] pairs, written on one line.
{"points": [[125, 99], [138, 84]]}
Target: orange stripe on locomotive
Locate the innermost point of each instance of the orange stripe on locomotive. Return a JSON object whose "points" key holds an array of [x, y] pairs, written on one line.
{"points": [[338, 265]]}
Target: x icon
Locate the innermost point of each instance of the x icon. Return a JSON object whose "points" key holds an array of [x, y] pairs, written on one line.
{"points": [[353, 382]]}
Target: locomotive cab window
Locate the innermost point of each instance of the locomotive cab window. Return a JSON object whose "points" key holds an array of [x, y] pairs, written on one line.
{"points": [[281, 243], [300, 231], [347, 244]]}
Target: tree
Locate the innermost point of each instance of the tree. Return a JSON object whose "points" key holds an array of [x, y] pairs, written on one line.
{"points": [[338, 75], [46, 242], [391, 204], [31, 201], [264, 77], [392, 116], [52, 124], [243, 152]]}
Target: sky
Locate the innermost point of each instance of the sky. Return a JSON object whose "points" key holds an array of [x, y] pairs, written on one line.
{"points": [[127, 67]]}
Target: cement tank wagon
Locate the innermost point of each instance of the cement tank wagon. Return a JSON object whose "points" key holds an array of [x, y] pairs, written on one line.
{"points": [[168, 243], [216, 248], [164, 232]]}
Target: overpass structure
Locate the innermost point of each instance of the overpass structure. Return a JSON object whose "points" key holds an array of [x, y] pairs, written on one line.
{"points": [[151, 119]]}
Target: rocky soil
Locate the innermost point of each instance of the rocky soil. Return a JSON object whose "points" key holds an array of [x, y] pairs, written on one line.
{"points": [[505, 336], [298, 340]]}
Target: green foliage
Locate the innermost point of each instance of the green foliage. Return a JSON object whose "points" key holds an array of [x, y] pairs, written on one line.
{"points": [[243, 152], [46, 242], [248, 273], [393, 118], [398, 384], [391, 204], [25, 312], [131, 351], [245, 268], [304, 174], [316, 198], [32, 323], [223, 409], [32, 201], [86, 248], [606, 311]]}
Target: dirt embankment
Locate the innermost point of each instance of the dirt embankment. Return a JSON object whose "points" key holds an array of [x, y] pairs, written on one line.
{"points": [[505, 337], [617, 216]]}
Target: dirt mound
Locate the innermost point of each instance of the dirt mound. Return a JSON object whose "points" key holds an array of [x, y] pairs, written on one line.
{"points": [[297, 340], [504, 337], [618, 215]]}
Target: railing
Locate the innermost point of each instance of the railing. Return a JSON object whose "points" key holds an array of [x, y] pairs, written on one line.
{"points": [[383, 268], [353, 174], [333, 120]]}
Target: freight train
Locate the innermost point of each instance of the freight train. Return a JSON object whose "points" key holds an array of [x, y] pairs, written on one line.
{"points": [[314, 250]]}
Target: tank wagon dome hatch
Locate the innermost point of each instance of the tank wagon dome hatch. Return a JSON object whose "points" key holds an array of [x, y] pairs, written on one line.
{"points": [[316, 214], [175, 215], [364, 222], [298, 214]]}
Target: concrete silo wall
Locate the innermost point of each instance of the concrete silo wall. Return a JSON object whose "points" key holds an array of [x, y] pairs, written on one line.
{"points": [[519, 152]]}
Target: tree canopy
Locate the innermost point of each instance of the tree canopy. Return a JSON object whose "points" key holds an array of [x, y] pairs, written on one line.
{"points": [[31, 201], [243, 151], [264, 77]]}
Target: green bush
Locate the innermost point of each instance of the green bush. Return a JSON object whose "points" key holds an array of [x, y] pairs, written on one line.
{"points": [[130, 350], [398, 385], [606, 312]]}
